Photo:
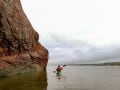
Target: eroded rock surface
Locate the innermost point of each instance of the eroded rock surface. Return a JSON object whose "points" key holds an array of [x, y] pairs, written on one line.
{"points": [[19, 47]]}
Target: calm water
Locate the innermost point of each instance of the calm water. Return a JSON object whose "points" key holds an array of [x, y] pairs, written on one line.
{"points": [[73, 78]]}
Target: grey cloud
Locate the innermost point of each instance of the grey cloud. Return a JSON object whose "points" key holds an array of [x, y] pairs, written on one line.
{"points": [[76, 51]]}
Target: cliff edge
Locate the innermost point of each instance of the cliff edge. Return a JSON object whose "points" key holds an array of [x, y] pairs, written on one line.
{"points": [[20, 50]]}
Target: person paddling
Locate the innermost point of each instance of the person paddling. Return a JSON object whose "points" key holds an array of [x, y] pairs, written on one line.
{"points": [[59, 69]]}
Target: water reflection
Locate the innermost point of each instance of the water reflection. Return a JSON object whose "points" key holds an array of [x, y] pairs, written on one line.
{"points": [[28, 81], [61, 79], [72, 78], [85, 78], [59, 75]]}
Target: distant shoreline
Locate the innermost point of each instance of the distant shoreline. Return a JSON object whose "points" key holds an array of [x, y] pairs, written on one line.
{"points": [[102, 64]]}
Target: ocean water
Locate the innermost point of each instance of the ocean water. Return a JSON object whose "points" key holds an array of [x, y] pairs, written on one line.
{"points": [[72, 78]]}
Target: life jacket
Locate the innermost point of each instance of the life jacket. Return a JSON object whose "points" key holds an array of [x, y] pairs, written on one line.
{"points": [[59, 69]]}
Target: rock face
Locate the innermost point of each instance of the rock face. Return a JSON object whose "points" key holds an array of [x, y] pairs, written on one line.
{"points": [[19, 47]]}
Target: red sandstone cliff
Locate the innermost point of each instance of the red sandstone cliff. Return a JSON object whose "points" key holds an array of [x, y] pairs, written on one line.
{"points": [[20, 50]]}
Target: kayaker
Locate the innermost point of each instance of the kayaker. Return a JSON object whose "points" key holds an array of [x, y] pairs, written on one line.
{"points": [[59, 69]]}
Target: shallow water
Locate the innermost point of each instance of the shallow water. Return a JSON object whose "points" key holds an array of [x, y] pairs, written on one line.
{"points": [[73, 78], [28, 81]]}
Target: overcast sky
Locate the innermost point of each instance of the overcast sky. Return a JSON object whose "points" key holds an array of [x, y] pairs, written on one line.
{"points": [[77, 31]]}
